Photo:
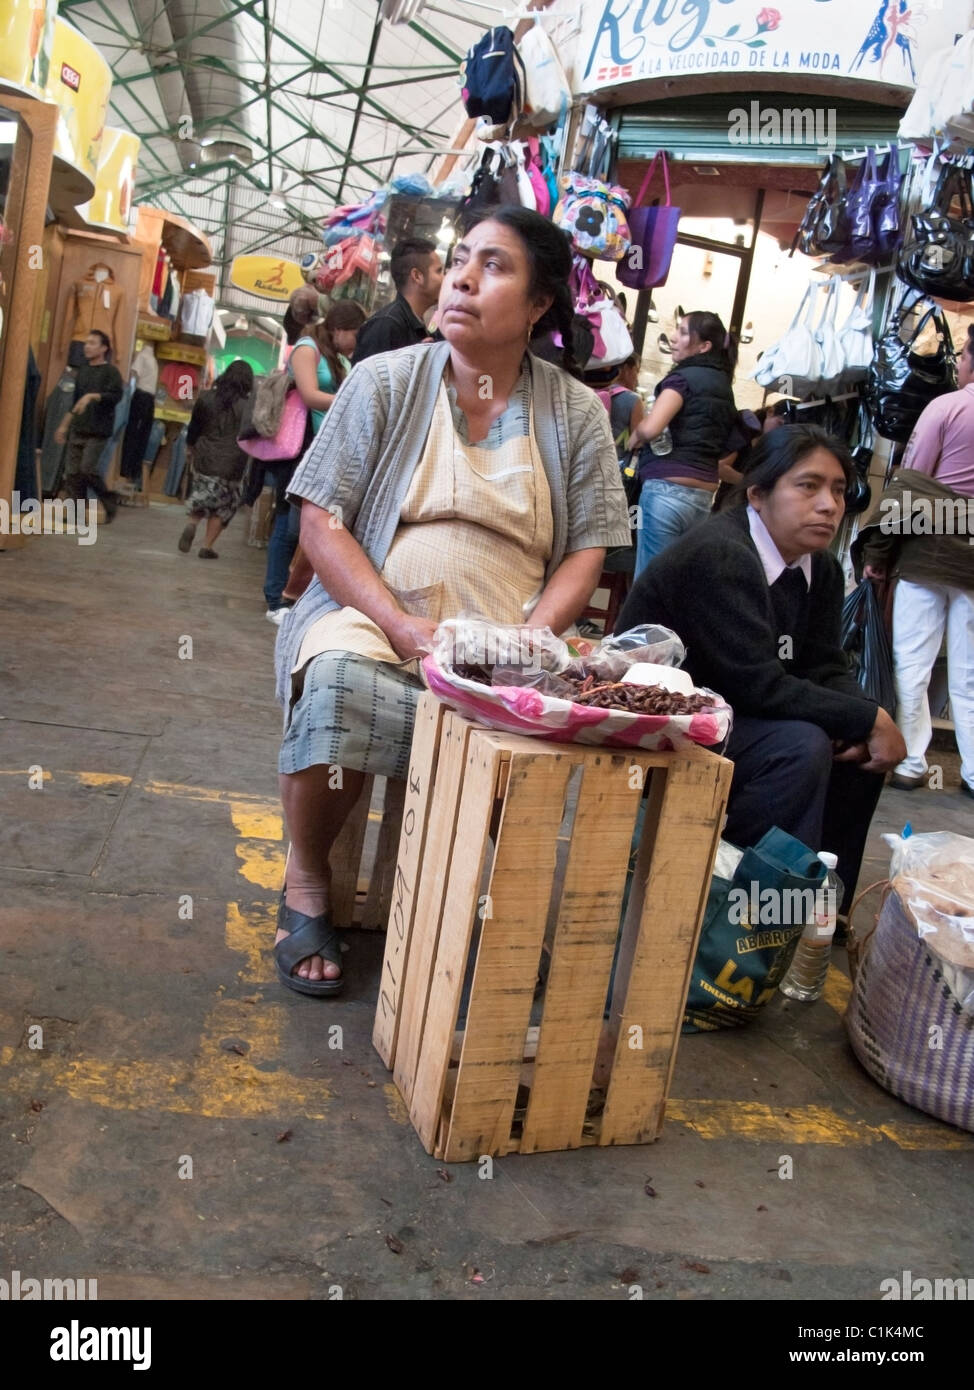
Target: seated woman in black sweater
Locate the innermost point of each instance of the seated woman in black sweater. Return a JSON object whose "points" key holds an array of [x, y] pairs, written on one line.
{"points": [[757, 599]]}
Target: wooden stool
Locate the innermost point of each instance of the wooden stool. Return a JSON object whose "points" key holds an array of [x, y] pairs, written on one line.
{"points": [[561, 819]]}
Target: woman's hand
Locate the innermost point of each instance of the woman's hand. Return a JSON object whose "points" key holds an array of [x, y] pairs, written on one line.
{"points": [[411, 637], [875, 572], [61, 433], [666, 407], [885, 745]]}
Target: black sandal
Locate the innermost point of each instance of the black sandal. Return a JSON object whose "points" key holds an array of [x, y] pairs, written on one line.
{"points": [[308, 936]]}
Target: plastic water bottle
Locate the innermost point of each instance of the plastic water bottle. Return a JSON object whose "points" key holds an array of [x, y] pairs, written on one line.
{"points": [[663, 443], [805, 979]]}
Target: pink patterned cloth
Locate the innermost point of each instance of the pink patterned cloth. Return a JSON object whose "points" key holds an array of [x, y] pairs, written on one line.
{"points": [[521, 710]]}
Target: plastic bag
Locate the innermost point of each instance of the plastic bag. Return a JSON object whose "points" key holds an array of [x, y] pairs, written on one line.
{"points": [[866, 642], [934, 876], [470, 657]]}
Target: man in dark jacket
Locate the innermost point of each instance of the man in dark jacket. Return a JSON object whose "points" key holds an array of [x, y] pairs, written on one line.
{"points": [[90, 422], [757, 600], [417, 273]]}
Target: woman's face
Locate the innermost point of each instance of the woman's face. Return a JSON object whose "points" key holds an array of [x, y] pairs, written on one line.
{"points": [[803, 509], [484, 302], [344, 340], [684, 345], [965, 367]]}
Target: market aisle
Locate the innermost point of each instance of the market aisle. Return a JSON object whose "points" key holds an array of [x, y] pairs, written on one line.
{"points": [[188, 1129]]}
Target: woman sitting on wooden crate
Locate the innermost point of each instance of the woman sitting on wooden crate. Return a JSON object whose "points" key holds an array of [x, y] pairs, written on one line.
{"points": [[461, 475], [757, 600]]}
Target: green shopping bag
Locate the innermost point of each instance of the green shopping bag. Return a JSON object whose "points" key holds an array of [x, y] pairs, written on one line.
{"points": [[750, 929]]}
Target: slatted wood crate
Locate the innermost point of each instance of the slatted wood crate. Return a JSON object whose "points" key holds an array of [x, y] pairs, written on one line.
{"points": [[507, 844]]}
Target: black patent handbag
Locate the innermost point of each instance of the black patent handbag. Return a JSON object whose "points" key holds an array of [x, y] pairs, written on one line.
{"points": [[937, 257], [825, 229], [912, 365]]}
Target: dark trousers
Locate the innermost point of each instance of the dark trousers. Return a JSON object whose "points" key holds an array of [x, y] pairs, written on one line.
{"points": [[785, 775], [137, 431], [81, 469]]}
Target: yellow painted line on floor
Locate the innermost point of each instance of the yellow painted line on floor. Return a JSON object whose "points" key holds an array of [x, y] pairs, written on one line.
{"points": [[805, 1124], [261, 864], [837, 991]]}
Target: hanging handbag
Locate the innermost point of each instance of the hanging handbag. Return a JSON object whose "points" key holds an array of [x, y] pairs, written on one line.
{"points": [[653, 232], [484, 190], [830, 349], [594, 213], [855, 337], [547, 92], [910, 368], [938, 255], [824, 229], [525, 188], [886, 207], [549, 154], [542, 197], [612, 343], [793, 365]]}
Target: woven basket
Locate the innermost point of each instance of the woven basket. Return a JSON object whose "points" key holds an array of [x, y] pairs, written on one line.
{"points": [[905, 1026]]}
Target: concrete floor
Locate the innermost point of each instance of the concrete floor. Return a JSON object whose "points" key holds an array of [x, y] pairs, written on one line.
{"points": [[169, 1049]]}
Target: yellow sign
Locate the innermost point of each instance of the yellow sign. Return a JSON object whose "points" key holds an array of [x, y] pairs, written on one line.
{"points": [[78, 81], [114, 182], [266, 276], [26, 43]]}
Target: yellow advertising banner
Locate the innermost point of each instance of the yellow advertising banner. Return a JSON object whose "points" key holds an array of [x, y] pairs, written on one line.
{"points": [[26, 45], [79, 81], [266, 276], [114, 181]]}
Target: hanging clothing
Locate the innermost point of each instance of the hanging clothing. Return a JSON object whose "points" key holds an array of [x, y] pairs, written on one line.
{"points": [[95, 302], [156, 435], [145, 369], [196, 313], [135, 444], [177, 465], [25, 475], [59, 402], [118, 429]]}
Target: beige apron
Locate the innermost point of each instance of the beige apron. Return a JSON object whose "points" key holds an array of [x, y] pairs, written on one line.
{"points": [[475, 535]]}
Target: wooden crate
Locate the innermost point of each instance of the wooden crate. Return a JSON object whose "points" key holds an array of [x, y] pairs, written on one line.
{"points": [[363, 864], [508, 843]]}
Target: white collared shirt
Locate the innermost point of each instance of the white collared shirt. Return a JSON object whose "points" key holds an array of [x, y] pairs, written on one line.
{"points": [[769, 554]]}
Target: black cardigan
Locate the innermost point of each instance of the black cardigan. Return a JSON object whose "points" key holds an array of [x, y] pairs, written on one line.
{"points": [[710, 588]]}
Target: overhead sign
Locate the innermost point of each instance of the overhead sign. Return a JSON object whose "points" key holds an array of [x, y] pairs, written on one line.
{"points": [[114, 181], [266, 276], [27, 33], [883, 41]]}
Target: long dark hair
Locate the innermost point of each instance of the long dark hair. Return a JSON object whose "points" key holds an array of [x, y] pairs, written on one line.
{"points": [[706, 327], [550, 259], [776, 453], [233, 384], [346, 314]]}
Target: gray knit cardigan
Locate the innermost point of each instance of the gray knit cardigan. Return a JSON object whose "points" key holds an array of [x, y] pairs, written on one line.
{"points": [[362, 460]]}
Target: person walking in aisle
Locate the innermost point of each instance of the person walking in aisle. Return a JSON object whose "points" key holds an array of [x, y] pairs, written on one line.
{"points": [[417, 273], [318, 365], [90, 422], [685, 434], [921, 534], [218, 463]]}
